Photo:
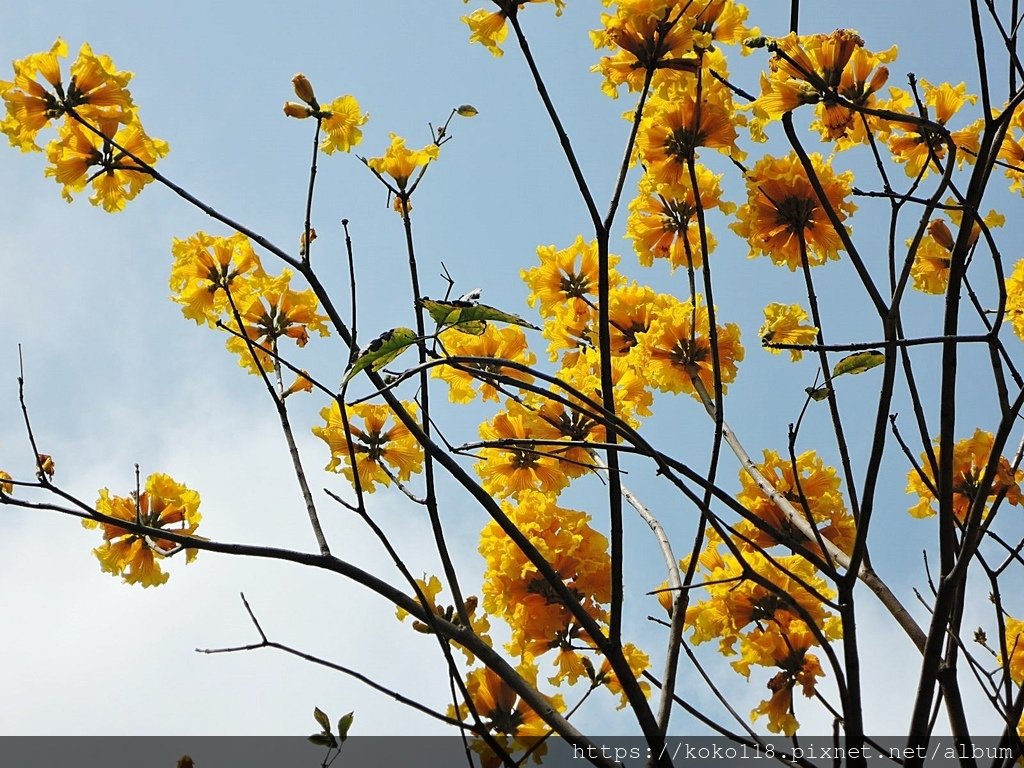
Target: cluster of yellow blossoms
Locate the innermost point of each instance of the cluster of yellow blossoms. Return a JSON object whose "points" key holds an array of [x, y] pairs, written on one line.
{"points": [[490, 28], [100, 140], [220, 281], [383, 447], [769, 612], [164, 505], [770, 609], [970, 458]]}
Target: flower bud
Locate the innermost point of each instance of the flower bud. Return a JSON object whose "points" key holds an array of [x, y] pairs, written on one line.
{"points": [[298, 111], [937, 229], [304, 89], [301, 384], [304, 243], [975, 234], [45, 465], [878, 79]]}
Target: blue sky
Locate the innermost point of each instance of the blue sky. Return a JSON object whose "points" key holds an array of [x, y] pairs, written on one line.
{"points": [[116, 376]]}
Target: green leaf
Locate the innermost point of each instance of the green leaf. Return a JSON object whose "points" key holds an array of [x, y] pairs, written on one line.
{"points": [[322, 719], [469, 316], [858, 363], [324, 740], [466, 110], [344, 723], [382, 351], [818, 393]]}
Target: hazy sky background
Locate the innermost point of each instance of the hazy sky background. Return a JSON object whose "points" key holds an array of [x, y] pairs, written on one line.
{"points": [[115, 375]]}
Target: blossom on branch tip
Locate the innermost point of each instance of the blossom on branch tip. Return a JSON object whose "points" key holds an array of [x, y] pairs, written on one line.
{"points": [[100, 140], [970, 458], [271, 310], [642, 40], [80, 156], [382, 445], [503, 343], [920, 148], [490, 28], [342, 121], [165, 504], [96, 91], [830, 71], [400, 163], [677, 348], [784, 218], [204, 268], [672, 129], [788, 649], [567, 277], [758, 608], [783, 324], [663, 218]]}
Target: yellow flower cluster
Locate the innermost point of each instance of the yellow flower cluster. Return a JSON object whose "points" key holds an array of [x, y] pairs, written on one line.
{"points": [[812, 487], [783, 324], [100, 140], [490, 28], [770, 613], [834, 72], [521, 466], [383, 447], [676, 349], [921, 149], [676, 125], [221, 282], [662, 38], [514, 724], [785, 220], [341, 119], [513, 588], [165, 505], [399, 162], [495, 343], [970, 457], [663, 218]]}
